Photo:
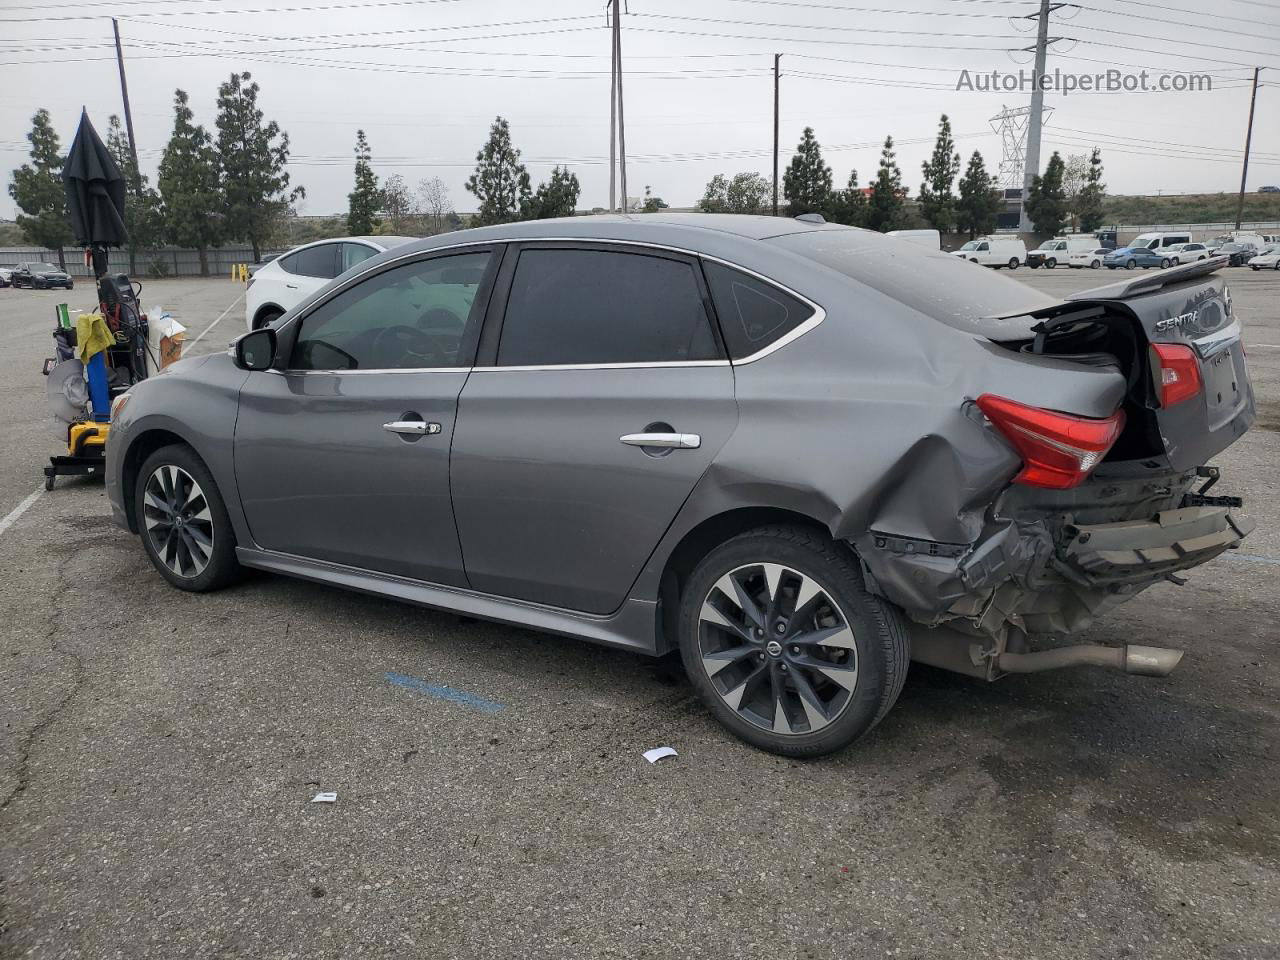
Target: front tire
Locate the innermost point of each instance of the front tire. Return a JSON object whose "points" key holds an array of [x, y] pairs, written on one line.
{"points": [[183, 521], [786, 647], [1051, 263]]}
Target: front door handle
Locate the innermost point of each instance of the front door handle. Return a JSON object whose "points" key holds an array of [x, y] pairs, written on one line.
{"points": [[415, 428], [675, 441]]}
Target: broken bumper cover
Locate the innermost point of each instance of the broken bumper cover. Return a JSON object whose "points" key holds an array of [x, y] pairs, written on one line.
{"points": [[1041, 577]]}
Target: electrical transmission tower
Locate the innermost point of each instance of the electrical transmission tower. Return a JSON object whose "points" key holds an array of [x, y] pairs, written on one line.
{"points": [[1012, 123]]}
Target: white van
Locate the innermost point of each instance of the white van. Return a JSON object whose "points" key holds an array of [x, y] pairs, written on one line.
{"points": [[931, 239], [995, 252], [1257, 239], [1058, 250], [1156, 241]]}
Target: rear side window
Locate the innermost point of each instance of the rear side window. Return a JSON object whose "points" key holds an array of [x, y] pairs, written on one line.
{"points": [[603, 306], [353, 253], [318, 262], [753, 314]]}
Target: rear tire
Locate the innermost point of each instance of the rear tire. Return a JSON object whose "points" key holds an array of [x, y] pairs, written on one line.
{"points": [[1131, 264], [786, 647], [1013, 263], [1166, 263], [266, 317], [1095, 265], [183, 521]]}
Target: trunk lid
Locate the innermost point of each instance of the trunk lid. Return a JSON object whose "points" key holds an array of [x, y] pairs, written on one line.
{"points": [[1188, 306]]}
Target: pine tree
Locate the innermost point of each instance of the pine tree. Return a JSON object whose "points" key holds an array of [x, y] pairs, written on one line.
{"points": [[500, 181], [884, 208], [979, 199], [188, 182], [1047, 202], [143, 214], [364, 202], [807, 181], [937, 203], [1089, 205], [849, 206], [252, 162], [38, 191], [558, 197]]}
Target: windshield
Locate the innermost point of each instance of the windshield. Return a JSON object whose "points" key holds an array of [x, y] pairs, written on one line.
{"points": [[42, 268], [1048, 245], [1231, 247], [971, 245], [948, 289]]}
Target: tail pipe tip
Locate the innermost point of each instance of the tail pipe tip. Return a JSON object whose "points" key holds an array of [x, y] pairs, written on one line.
{"points": [[1134, 658]]}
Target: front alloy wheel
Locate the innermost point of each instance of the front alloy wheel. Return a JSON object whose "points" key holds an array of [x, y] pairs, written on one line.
{"points": [[178, 522]]}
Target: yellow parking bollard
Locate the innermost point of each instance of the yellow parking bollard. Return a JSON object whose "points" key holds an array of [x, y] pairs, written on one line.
{"points": [[235, 270]]}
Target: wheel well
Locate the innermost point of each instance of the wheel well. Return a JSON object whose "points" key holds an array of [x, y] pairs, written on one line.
{"points": [[141, 448], [700, 541], [264, 311]]}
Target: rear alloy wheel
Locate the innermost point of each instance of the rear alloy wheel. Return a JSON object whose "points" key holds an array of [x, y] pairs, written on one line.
{"points": [[1166, 263], [1013, 263], [1095, 265], [786, 647], [1131, 264], [184, 524]]}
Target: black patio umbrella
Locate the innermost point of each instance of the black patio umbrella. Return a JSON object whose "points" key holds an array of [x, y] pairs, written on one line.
{"points": [[95, 194]]}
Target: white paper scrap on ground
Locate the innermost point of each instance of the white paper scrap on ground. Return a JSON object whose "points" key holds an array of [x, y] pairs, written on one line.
{"points": [[657, 753], [325, 798]]}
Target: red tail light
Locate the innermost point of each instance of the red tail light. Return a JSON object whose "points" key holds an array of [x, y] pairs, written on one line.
{"points": [[1177, 372], [1058, 450]]}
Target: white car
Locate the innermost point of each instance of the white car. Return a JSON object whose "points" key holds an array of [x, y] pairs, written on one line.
{"points": [[1268, 259], [1181, 253], [277, 287], [1091, 258]]}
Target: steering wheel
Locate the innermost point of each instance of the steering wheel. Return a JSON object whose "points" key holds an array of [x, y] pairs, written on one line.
{"points": [[403, 346]]}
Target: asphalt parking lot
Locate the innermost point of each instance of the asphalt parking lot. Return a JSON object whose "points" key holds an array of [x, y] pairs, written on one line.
{"points": [[160, 751]]}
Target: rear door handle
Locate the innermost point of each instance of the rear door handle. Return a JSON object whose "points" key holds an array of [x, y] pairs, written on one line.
{"points": [[417, 428], [677, 441]]}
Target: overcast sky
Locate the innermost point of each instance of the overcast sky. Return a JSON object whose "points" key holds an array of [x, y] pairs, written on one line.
{"points": [[424, 78]]}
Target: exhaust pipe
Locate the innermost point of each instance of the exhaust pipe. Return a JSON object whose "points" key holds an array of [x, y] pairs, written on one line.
{"points": [[1134, 658]]}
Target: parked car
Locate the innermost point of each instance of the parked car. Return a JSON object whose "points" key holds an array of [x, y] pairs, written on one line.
{"points": [[1181, 253], [1157, 241], [1130, 257], [995, 252], [1091, 258], [277, 287], [1058, 250], [1268, 259], [1269, 188], [40, 276], [1238, 253], [6, 273], [674, 432]]}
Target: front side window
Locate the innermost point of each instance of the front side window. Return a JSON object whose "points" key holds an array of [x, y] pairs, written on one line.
{"points": [[753, 314], [984, 246], [573, 306], [409, 317]]}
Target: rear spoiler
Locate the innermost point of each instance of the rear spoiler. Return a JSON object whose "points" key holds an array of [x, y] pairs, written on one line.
{"points": [[1150, 282]]}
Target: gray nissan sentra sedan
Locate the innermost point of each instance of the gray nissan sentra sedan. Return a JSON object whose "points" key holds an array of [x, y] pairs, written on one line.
{"points": [[798, 453]]}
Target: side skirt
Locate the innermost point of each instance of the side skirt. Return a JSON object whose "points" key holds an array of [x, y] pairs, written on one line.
{"points": [[633, 627]]}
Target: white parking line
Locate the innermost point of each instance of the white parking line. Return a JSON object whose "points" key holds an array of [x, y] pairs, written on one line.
{"points": [[12, 516], [218, 321]]}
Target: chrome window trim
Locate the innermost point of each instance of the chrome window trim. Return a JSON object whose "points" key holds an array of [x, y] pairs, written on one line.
{"points": [[348, 373], [819, 314]]}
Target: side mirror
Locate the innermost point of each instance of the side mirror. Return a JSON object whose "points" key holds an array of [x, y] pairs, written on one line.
{"points": [[257, 350]]}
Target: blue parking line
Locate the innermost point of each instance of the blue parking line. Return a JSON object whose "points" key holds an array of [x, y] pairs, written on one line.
{"points": [[445, 693], [1255, 558]]}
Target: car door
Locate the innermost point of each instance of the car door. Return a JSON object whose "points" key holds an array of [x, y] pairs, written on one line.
{"points": [[601, 395], [342, 454]]}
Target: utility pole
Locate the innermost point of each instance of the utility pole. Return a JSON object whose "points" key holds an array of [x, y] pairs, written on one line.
{"points": [[1032, 167], [776, 58], [128, 114], [622, 122], [613, 113], [1248, 139]]}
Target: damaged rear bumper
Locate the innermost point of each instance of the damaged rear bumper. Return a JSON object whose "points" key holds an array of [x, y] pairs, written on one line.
{"points": [[1048, 572]]}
